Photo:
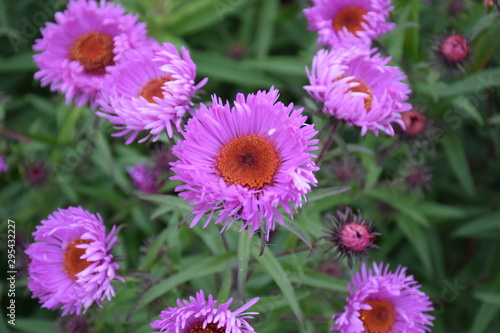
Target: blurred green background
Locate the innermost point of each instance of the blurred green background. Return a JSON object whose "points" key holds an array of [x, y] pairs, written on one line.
{"points": [[445, 228]]}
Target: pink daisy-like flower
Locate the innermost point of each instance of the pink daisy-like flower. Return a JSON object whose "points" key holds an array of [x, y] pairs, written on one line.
{"points": [[200, 315], [384, 302], [346, 23], [357, 86], [3, 166], [71, 266], [85, 42], [149, 90], [146, 179], [245, 161]]}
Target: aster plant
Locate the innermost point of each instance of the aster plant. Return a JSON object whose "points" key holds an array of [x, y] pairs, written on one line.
{"points": [[203, 315], [350, 235], [382, 301], [347, 23], [149, 91], [245, 161], [86, 41], [358, 87], [71, 265]]}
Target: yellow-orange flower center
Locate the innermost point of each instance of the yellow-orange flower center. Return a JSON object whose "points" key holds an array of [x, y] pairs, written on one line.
{"points": [[153, 88], [94, 50], [210, 328], [250, 161], [350, 17], [380, 319], [362, 87], [73, 264]]}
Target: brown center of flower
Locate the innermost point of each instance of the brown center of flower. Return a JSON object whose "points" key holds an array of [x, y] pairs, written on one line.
{"points": [[210, 328], [73, 264], [380, 319], [153, 88], [94, 50], [350, 17], [360, 88], [250, 161]]}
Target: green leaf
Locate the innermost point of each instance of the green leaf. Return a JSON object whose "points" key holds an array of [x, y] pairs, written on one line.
{"points": [[486, 226], [327, 192], [489, 298], [280, 277], [404, 205], [458, 163], [439, 211], [153, 250], [320, 280], [417, 237], [484, 317], [243, 258], [35, 325], [279, 65], [265, 28], [221, 68], [473, 83], [22, 62], [172, 201], [203, 268], [470, 110], [294, 229]]}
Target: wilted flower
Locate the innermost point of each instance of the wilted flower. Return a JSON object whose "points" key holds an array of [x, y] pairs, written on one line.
{"points": [[71, 267], [200, 315], [381, 301], [245, 161]]}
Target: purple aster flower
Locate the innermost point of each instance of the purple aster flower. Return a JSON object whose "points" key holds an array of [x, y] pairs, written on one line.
{"points": [[150, 90], [4, 167], [345, 23], [84, 43], [71, 267], [146, 179], [384, 302], [200, 315], [357, 86], [245, 161]]}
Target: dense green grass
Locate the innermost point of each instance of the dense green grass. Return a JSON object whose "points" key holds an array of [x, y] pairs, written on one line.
{"points": [[448, 235]]}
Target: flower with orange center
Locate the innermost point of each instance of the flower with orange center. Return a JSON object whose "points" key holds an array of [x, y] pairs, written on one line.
{"points": [[358, 87], [250, 161], [349, 18], [149, 91], [86, 41], [204, 315], [382, 301], [70, 266], [347, 23], [243, 162]]}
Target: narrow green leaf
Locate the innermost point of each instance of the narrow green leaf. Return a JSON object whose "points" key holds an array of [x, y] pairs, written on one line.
{"points": [[486, 225], [279, 65], [446, 212], [458, 163], [173, 201], [470, 110], [280, 277], [484, 317], [153, 250], [489, 298], [404, 205], [473, 83], [205, 267], [265, 28], [323, 193], [36, 326], [294, 229], [22, 62], [243, 258], [320, 280]]}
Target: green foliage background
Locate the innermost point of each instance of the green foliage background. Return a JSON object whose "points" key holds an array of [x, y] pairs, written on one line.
{"points": [[448, 236]]}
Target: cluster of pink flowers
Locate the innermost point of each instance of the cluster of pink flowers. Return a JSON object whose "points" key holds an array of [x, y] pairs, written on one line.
{"points": [[244, 161], [351, 80]]}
